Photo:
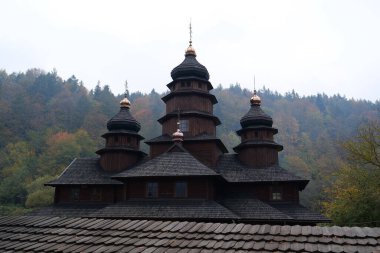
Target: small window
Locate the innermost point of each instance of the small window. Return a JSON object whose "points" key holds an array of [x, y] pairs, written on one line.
{"points": [[180, 189], [116, 139], [199, 85], [74, 194], [96, 194], [184, 125], [188, 84], [256, 134], [128, 140], [276, 193], [152, 189], [183, 84]]}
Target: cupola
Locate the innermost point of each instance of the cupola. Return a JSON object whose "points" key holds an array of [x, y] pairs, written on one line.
{"points": [[122, 148], [257, 147]]}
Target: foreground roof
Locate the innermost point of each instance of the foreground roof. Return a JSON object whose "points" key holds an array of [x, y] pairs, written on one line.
{"points": [[54, 234], [84, 171], [237, 209]]}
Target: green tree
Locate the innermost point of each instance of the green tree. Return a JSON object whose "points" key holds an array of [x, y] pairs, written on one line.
{"points": [[355, 195]]}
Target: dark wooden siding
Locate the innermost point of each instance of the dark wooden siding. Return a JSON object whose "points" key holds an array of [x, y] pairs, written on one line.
{"points": [[106, 194], [257, 135], [261, 191], [196, 188], [259, 156], [206, 152], [158, 148], [190, 102], [118, 161], [123, 141], [197, 125]]}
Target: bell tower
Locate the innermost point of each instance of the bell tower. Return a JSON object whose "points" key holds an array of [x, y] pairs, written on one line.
{"points": [[122, 148], [190, 97], [257, 147]]}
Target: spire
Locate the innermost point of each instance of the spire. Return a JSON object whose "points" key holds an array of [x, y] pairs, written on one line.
{"points": [[125, 102], [191, 33], [178, 135], [255, 99], [190, 50]]}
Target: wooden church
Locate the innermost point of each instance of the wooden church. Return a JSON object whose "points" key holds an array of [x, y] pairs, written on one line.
{"points": [[188, 174]]}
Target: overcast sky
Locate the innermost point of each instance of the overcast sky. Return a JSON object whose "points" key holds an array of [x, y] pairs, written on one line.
{"points": [[309, 46]]}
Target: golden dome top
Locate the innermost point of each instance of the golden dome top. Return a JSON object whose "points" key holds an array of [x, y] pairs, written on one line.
{"points": [[190, 51], [125, 103], [255, 100], [178, 135]]}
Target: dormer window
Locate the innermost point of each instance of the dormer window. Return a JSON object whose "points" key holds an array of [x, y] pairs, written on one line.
{"points": [[181, 189], [96, 194], [276, 193], [152, 190], [184, 125], [74, 194]]}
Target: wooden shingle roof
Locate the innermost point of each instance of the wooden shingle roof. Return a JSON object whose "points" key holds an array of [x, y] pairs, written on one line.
{"points": [[173, 163], [84, 171], [231, 169], [54, 234]]}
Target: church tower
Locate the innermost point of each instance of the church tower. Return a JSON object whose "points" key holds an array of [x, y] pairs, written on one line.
{"points": [[190, 98], [122, 149], [257, 147]]}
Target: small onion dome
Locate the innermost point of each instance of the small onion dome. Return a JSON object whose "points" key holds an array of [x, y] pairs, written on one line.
{"points": [[125, 103], [190, 67], [177, 136], [124, 120], [255, 100], [190, 51]]}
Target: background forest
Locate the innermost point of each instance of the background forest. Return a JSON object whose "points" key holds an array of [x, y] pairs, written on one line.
{"points": [[46, 122]]}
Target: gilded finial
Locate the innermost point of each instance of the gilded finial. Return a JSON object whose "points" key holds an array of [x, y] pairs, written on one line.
{"points": [[178, 135], [190, 50], [255, 99], [125, 102]]}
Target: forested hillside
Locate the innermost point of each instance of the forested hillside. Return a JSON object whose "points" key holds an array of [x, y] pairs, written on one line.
{"points": [[47, 121]]}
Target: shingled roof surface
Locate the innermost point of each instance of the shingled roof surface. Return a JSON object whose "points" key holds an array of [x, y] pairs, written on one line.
{"points": [[175, 162], [84, 171], [234, 171], [254, 209], [54, 234], [167, 209], [300, 213], [68, 210]]}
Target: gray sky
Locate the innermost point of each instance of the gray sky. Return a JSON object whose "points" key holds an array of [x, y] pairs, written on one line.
{"points": [[309, 46]]}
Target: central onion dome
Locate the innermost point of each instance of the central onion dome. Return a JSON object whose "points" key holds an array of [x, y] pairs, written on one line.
{"points": [[190, 67], [255, 116], [124, 120]]}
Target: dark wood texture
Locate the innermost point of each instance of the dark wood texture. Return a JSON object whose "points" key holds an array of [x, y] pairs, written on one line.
{"points": [[189, 102], [197, 125], [116, 161], [259, 156], [197, 188]]}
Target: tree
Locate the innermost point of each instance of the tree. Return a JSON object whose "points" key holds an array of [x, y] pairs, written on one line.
{"points": [[355, 195]]}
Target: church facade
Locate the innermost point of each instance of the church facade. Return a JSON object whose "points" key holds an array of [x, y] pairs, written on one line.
{"points": [[188, 173]]}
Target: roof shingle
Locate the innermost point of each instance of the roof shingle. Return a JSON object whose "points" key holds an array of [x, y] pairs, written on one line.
{"points": [[175, 162], [37, 234], [78, 173]]}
